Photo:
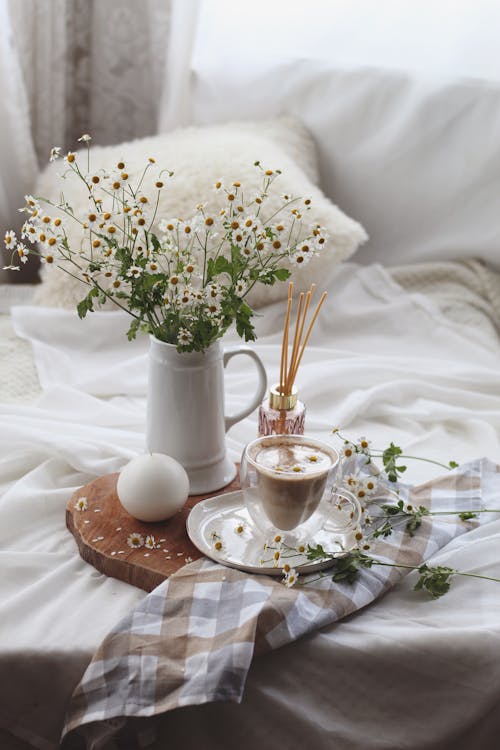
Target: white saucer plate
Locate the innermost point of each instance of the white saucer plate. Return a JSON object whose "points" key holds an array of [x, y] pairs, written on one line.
{"points": [[218, 518]]}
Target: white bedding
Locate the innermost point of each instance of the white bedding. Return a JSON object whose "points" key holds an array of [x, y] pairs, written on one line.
{"points": [[383, 363]]}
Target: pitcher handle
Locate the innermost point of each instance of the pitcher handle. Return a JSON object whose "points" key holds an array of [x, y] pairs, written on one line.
{"points": [[232, 351]]}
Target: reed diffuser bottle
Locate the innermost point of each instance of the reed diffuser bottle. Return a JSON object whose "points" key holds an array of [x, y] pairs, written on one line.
{"points": [[282, 413]]}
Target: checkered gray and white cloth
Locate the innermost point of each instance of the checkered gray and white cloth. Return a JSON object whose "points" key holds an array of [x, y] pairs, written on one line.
{"points": [[191, 641]]}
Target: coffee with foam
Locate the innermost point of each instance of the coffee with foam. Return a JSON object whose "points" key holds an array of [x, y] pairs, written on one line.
{"points": [[291, 473]]}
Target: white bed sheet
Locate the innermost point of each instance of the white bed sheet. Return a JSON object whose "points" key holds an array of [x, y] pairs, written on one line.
{"points": [[406, 673]]}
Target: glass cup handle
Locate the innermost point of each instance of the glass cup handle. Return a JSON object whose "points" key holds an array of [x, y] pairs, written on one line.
{"points": [[232, 351], [354, 517]]}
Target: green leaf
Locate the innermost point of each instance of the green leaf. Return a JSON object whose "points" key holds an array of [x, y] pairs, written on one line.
{"points": [[453, 464], [383, 531], [413, 524], [467, 515], [389, 457], [155, 242], [222, 265], [347, 568], [392, 510], [86, 304], [435, 580], [134, 327], [317, 552], [244, 326], [282, 274]]}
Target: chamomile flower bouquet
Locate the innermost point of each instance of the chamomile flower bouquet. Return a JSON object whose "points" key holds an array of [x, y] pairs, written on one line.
{"points": [[184, 280]]}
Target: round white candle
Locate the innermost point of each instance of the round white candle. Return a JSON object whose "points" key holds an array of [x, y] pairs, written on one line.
{"points": [[152, 487]]}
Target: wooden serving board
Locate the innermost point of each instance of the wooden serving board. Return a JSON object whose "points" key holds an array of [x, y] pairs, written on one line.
{"points": [[102, 530]]}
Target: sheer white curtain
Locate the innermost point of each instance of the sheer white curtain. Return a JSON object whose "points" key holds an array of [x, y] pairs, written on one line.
{"points": [[175, 109], [17, 156], [221, 46]]}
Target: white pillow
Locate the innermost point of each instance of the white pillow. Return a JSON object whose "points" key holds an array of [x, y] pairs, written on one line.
{"points": [[199, 156], [415, 157]]}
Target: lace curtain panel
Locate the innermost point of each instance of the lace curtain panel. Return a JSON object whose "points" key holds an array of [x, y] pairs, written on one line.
{"points": [[17, 157], [93, 66], [69, 67]]}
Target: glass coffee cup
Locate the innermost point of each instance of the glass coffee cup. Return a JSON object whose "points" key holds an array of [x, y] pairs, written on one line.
{"points": [[284, 478]]}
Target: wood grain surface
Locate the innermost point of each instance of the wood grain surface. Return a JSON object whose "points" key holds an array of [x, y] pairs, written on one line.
{"points": [[102, 530]]}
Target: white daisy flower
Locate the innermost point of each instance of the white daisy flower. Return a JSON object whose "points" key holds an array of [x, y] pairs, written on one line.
{"points": [[291, 578], [168, 225], [85, 138], [280, 228], [238, 237], [361, 492], [116, 182], [55, 153], [213, 291], [252, 223], [94, 178], [150, 542], [218, 186], [276, 558], [239, 529], [134, 272], [185, 296], [43, 238], [139, 220], [184, 337], [153, 267], [47, 259], [306, 250], [298, 259], [217, 544], [10, 240], [320, 241], [249, 249], [364, 445], [81, 504], [240, 288], [31, 203], [29, 231], [370, 485], [212, 309], [359, 538], [351, 480], [70, 157], [23, 252], [135, 540], [348, 450]]}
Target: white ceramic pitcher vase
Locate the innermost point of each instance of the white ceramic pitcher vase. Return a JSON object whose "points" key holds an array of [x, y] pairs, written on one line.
{"points": [[185, 410]]}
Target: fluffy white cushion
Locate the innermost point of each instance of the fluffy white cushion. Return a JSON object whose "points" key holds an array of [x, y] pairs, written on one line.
{"points": [[415, 157], [199, 156]]}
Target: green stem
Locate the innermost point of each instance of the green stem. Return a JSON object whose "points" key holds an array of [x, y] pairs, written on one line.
{"points": [[457, 512], [414, 458], [476, 575]]}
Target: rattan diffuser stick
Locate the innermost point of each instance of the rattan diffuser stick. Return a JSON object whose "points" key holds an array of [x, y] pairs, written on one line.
{"points": [[289, 368]]}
